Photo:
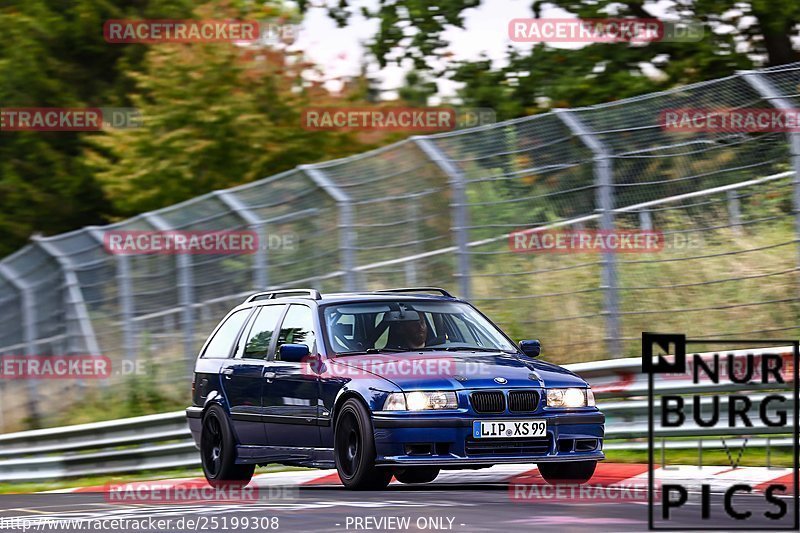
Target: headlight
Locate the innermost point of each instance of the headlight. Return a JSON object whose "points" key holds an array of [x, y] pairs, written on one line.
{"points": [[570, 397], [420, 401]]}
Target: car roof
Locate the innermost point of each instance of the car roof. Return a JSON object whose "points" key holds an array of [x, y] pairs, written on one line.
{"points": [[345, 297], [340, 297]]}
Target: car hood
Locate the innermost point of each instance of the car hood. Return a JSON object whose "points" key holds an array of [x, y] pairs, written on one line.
{"points": [[456, 370]]}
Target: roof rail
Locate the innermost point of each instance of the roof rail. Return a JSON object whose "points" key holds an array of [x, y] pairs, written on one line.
{"points": [[285, 293], [419, 289]]}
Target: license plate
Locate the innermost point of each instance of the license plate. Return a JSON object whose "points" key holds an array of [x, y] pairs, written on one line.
{"points": [[508, 429]]}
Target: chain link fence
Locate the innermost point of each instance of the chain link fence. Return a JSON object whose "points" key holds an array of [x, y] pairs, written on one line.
{"points": [[438, 210]]}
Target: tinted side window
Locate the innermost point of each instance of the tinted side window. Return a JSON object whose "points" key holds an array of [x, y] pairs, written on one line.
{"points": [[260, 337], [297, 328], [220, 346]]}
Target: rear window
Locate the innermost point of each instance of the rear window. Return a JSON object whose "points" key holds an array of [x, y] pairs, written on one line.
{"points": [[221, 344]]}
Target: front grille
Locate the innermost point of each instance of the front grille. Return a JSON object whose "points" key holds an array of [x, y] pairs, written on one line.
{"points": [[484, 447], [488, 402], [523, 401]]}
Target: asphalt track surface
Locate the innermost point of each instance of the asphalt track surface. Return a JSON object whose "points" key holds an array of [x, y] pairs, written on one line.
{"points": [[434, 507]]}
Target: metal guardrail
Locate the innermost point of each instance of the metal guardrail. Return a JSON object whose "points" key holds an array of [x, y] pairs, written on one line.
{"points": [[142, 443], [163, 441]]}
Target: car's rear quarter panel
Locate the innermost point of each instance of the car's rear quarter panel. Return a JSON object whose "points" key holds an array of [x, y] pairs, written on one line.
{"points": [[207, 387]]}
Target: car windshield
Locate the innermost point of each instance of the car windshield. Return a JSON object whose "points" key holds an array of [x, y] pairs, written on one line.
{"points": [[402, 326]]}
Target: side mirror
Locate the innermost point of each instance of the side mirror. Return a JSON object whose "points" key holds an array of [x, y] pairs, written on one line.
{"points": [[531, 348], [293, 353]]}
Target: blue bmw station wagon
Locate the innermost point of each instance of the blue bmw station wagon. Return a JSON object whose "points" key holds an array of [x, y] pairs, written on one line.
{"points": [[399, 382]]}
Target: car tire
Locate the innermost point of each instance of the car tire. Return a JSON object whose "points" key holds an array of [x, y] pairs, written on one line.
{"points": [[573, 472], [218, 451], [354, 449], [416, 474]]}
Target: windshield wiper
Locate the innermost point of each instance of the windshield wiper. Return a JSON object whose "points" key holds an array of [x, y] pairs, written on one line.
{"points": [[459, 349]]}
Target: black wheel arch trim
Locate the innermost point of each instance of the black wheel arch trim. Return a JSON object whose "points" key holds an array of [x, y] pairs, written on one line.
{"points": [[213, 398], [344, 395]]}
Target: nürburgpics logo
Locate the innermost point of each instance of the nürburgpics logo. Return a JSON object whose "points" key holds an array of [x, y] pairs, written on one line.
{"points": [[726, 394]]}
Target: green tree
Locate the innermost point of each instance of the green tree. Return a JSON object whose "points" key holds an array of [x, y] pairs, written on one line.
{"points": [[739, 34], [214, 116], [52, 54], [417, 89]]}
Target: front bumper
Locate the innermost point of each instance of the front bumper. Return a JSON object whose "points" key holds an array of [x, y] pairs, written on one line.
{"points": [[437, 440]]}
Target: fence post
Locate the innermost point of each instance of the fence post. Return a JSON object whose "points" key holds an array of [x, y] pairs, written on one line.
{"points": [[645, 220], [410, 267], [183, 263], [29, 337], [734, 211], [260, 264], [130, 337], [345, 207], [460, 213], [779, 101], [74, 296], [604, 180]]}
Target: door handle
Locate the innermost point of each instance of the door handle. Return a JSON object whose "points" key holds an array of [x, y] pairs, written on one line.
{"points": [[227, 372], [269, 376]]}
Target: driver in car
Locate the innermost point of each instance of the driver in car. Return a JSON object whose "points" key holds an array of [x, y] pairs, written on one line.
{"points": [[410, 334]]}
